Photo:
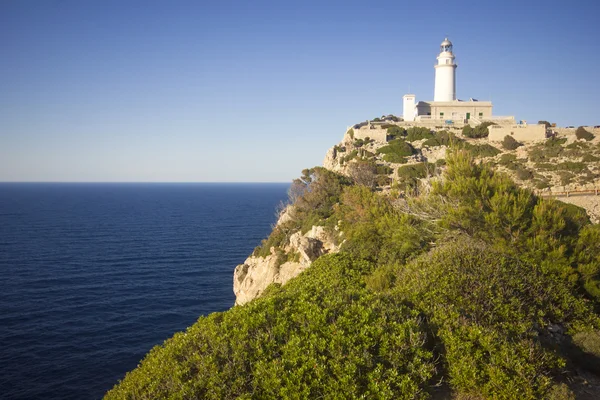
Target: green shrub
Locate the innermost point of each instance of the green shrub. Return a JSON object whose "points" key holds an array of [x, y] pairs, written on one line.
{"points": [[576, 167], [582, 133], [509, 143], [588, 341], [524, 174], [548, 150], [541, 184], [418, 133], [339, 149], [506, 159], [349, 157], [396, 151], [351, 133], [458, 286], [395, 131], [488, 309], [374, 230], [510, 161], [480, 131], [421, 170], [442, 138], [546, 166], [383, 170], [322, 335], [481, 150], [589, 158]]}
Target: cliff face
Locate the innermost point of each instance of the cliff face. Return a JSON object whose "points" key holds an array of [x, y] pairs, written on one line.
{"points": [[367, 158], [252, 277]]}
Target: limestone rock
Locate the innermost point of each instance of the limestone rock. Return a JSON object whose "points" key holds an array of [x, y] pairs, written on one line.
{"points": [[251, 278]]}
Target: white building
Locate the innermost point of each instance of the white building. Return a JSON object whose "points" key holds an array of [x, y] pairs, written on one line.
{"points": [[445, 106]]}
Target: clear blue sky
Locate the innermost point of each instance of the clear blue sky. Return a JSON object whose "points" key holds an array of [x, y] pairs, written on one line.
{"points": [[256, 91]]}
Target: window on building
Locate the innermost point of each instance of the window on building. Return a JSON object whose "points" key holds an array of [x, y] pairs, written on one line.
{"points": [[441, 114], [481, 114]]}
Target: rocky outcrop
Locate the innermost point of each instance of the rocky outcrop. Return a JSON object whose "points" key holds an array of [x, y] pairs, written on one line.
{"points": [[251, 278]]}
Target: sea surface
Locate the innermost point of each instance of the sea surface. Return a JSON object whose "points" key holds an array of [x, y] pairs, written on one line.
{"points": [[92, 276]]}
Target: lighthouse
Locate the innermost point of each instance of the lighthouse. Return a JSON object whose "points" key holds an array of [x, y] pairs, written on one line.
{"points": [[445, 74], [445, 108]]}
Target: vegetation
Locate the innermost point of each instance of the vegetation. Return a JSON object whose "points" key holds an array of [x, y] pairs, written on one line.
{"points": [[418, 133], [394, 132], [368, 173], [481, 150], [396, 151], [509, 143], [361, 142], [582, 133], [442, 138], [548, 150], [409, 175], [480, 131], [476, 290]]}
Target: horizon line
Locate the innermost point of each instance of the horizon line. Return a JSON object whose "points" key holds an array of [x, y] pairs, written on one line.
{"points": [[148, 182]]}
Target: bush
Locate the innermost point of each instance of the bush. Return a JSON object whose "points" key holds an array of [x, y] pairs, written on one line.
{"points": [[442, 138], [374, 230], [418, 133], [551, 148], [363, 172], [576, 167], [409, 175], [509, 143], [348, 157], [590, 158], [507, 159], [546, 123], [351, 133], [396, 151], [322, 335], [541, 184], [581, 133], [480, 131], [488, 309], [395, 132], [566, 177], [482, 150], [524, 174]]}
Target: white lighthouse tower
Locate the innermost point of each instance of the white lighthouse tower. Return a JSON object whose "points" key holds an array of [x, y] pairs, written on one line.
{"points": [[445, 74]]}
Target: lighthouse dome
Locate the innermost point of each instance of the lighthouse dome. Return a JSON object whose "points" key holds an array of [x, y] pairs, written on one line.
{"points": [[446, 46]]}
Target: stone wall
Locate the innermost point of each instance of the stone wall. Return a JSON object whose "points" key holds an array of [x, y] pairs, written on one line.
{"points": [[373, 132], [521, 133]]}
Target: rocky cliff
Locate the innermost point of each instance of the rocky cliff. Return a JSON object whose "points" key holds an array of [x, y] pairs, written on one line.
{"points": [[252, 277], [403, 162]]}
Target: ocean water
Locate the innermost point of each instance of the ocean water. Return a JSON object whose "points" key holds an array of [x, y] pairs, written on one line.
{"points": [[94, 275]]}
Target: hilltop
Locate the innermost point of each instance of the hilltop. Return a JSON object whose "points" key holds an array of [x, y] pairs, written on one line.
{"points": [[403, 158], [425, 265]]}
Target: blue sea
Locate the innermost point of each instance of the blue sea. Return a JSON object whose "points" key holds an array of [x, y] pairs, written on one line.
{"points": [[94, 275]]}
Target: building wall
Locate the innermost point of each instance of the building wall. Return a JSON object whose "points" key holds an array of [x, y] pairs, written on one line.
{"points": [[445, 83], [408, 101], [521, 133], [455, 110]]}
